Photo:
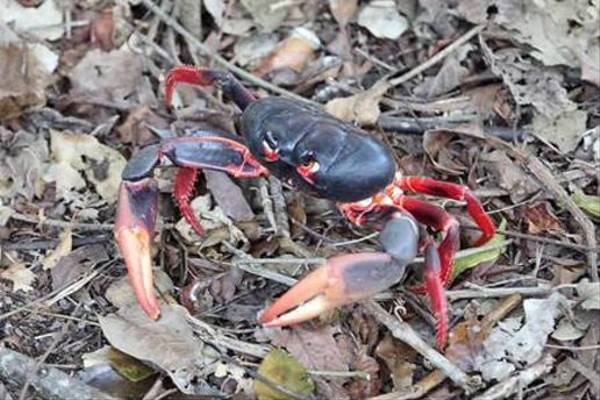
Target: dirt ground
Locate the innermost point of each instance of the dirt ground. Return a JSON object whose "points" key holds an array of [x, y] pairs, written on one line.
{"points": [[501, 96]]}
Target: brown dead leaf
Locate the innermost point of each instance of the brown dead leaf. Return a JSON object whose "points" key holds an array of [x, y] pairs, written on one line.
{"points": [[315, 349], [362, 108], [343, 10], [23, 157], [293, 53], [510, 176], [436, 145], [450, 75], [228, 196], [382, 19], [135, 128], [111, 76], [400, 360], [25, 71], [73, 265], [64, 248], [541, 219], [21, 277], [102, 29]]}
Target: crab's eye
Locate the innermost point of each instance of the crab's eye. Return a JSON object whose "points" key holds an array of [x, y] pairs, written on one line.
{"points": [[308, 164], [270, 146]]}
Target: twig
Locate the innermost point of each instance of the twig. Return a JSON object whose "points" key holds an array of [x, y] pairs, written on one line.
{"points": [[543, 174], [404, 332], [281, 215], [50, 382], [517, 382], [497, 292], [177, 27], [267, 203], [574, 348], [51, 244], [438, 56], [61, 224]]}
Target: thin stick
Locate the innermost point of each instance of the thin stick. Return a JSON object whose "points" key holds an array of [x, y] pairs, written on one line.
{"points": [[171, 22], [404, 332], [438, 56], [61, 224]]}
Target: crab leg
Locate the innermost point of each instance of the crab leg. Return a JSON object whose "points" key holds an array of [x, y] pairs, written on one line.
{"points": [[138, 198], [452, 191], [206, 77]]}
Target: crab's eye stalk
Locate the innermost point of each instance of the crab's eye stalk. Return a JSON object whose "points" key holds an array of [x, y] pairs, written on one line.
{"points": [[308, 167], [270, 146]]}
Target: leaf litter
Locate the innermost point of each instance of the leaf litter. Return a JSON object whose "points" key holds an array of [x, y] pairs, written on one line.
{"points": [[80, 88]]}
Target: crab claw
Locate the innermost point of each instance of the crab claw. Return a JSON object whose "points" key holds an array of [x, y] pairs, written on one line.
{"points": [[341, 280], [134, 230]]}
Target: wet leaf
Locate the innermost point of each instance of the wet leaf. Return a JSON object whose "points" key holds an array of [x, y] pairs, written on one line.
{"points": [[282, 368], [382, 19], [21, 277], [64, 248], [471, 260], [362, 108], [129, 367], [588, 203]]}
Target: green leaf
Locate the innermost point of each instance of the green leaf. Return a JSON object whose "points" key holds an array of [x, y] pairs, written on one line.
{"points": [[282, 368], [588, 203], [490, 251], [131, 368]]}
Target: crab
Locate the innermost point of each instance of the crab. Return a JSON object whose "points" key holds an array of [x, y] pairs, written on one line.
{"points": [[317, 154]]}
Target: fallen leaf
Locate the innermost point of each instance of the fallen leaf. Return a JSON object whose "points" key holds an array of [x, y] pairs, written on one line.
{"points": [[541, 219], [437, 146], [45, 20], [588, 203], [511, 345], [400, 360], [228, 196], [567, 331], [343, 10], [111, 76], [282, 368], [362, 108], [75, 153], [510, 176], [25, 71], [294, 52], [23, 158], [316, 349], [102, 29], [471, 260], [364, 388], [216, 8], [450, 75], [5, 214], [135, 128], [20, 276], [382, 19], [564, 130], [168, 343], [64, 248], [249, 50], [70, 267], [261, 10], [590, 293], [127, 366]]}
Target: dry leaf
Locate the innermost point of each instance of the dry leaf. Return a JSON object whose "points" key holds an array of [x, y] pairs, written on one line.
{"points": [[362, 108], [541, 219], [316, 349], [20, 276], [73, 153], [25, 71], [264, 15], [168, 343], [111, 76], [64, 248], [382, 19], [343, 10], [249, 50], [45, 20], [216, 8], [228, 196], [450, 75], [590, 292], [294, 52], [564, 130]]}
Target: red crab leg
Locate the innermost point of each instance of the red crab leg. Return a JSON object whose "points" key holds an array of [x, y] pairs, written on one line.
{"points": [[206, 77], [435, 290], [182, 191], [453, 191]]}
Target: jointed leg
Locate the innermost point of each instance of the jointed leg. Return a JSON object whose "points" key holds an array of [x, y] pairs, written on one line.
{"points": [[452, 191], [182, 191]]}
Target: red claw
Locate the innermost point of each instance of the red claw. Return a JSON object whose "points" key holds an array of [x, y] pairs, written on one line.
{"points": [[343, 279]]}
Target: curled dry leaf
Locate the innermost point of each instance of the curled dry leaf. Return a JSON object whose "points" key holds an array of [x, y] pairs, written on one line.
{"points": [[21, 277], [294, 52], [76, 153], [382, 19], [168, 343], [45, 20], [25, 71], [283, 369], [64, 248], [362, 108]]}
